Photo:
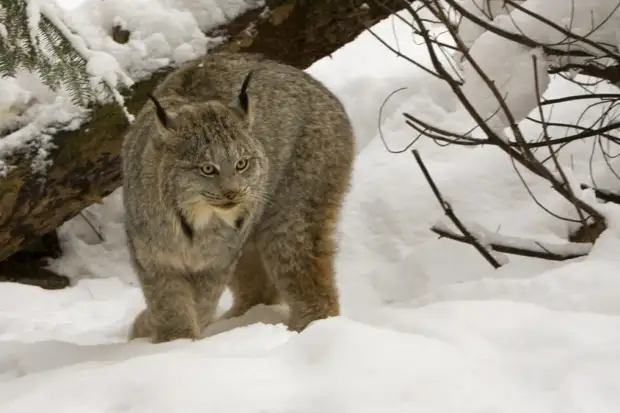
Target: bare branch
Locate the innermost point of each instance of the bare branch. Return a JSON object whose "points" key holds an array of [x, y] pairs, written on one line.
{"points": [[574, 52], [608, 73], [604, 195], [558, 167], [538, 249], [522, 153], [450, 213], [605, 51], [517, 38], [601, 96]]}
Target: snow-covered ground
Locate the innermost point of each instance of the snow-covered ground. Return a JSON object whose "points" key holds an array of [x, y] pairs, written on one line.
{"points": [[427, 326]]}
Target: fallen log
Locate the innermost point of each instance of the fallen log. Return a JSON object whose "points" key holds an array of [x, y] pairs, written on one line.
{"points": [[86, 163]]}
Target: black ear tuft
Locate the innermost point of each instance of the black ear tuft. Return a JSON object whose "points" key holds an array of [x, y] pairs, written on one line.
{"points": [[161, 113], [244, 101]]}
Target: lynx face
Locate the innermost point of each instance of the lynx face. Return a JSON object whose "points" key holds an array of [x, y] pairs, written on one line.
{"points": [[211, 163]]}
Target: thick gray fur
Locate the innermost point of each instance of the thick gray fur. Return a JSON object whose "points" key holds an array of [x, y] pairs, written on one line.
{"points": [[185, 243]]}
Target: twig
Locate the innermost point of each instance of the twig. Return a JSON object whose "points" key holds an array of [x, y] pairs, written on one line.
{"points": [[507, 249], [602, 96], [450, 213], [92, 226], [464, 139], [564, 179], [603, 195], [597, 46], [515, 37], [399, 54], [525, 156]]}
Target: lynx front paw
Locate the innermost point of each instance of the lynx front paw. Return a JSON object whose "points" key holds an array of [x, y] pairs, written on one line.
{"points": [[145, 326], [164, 334], [142, 326]]}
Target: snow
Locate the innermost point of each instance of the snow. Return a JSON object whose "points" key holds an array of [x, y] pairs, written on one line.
{"points": [[427, 324], [33, 113], [510, 64], [488, 239], [162, 34]]}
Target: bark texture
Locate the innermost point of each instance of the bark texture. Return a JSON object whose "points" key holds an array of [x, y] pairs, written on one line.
{"points": [[86, 163]]}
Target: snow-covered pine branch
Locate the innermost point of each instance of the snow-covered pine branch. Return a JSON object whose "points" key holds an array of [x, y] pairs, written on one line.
{"points": [[35, 37]]}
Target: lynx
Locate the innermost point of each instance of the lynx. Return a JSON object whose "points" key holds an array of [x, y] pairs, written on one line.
{"points": [[234, 173]]}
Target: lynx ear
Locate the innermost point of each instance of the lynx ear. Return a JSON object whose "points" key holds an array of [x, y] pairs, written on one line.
{"points": [[244, 100], [162, 116]]}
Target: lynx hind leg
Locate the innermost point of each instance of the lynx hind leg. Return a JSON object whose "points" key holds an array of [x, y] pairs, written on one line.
{"points": [[301, 259], [250, 284]]}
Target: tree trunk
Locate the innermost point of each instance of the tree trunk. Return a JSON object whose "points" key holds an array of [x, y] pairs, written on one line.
{"points": [[86, 163]]}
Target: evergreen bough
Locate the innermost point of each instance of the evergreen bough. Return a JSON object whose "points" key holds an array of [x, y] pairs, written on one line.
{"points": [[32, 42]]}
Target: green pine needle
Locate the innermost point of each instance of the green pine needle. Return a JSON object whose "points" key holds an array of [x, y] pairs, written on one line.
{"points": [[52, 57]]}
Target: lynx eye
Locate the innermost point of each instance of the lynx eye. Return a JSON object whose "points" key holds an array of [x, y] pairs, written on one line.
{"points": [[241, 164], [207, 170]]}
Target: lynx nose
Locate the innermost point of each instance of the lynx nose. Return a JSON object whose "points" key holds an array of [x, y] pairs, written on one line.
{"points": [[230, 195]]}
